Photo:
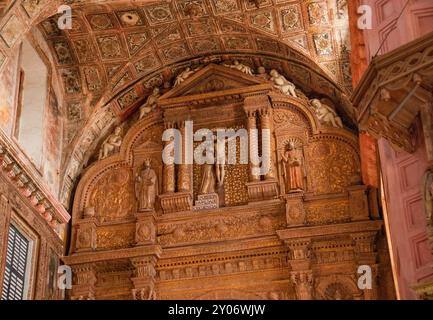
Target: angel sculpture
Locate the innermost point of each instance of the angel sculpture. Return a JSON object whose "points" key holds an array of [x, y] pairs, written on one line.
{"points": [[185, 74], [281, 83], [241, 67], [111, 144], [150, 103], [326, 114]]}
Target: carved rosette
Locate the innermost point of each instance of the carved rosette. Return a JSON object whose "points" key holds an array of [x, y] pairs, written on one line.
{"points": [[145, 229]]}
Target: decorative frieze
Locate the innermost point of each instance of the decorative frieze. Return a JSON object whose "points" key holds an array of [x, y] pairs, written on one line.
{"points": [[23, 177]]}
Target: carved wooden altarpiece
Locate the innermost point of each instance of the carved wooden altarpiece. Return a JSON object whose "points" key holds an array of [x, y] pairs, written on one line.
{"points": [[261, 241]]}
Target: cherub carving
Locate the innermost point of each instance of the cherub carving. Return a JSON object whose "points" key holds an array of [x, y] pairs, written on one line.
{"points": [[326, 114], [151, 102], [185, 74], [111, 144], [241, 67], [281, 83]]}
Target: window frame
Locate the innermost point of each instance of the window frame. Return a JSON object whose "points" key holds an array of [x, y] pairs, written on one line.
{"points": [[32, 256]]}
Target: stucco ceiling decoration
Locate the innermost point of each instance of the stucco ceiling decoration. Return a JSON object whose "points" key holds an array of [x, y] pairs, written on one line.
{"points": [[105, 38]]}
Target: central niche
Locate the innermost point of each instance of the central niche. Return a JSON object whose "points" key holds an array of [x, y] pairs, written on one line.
{"points": [[233, 191]]}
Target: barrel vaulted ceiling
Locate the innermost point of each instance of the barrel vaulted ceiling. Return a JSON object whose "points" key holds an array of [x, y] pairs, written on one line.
{"points": [[114, 44]]}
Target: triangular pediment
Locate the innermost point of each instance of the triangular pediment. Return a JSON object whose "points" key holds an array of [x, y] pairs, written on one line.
{"points": [[212, 78]]}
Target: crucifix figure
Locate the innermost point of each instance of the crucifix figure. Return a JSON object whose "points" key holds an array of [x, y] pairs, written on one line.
{"points": [[214, 174]]}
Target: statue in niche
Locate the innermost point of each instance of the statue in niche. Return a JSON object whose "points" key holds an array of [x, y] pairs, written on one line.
{"points": [[146, 187], [112, 144], [282, 84], [151, 103], [185, 74], [241, 67], [326, 114], [293, 168]]}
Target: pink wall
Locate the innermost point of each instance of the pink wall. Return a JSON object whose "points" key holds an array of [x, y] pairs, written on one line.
{"points": [[416, 21], [403, 172], [402, 179]]}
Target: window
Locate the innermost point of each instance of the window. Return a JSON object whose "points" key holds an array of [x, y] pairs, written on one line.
{"points": [[33, 86], [15, 282]]}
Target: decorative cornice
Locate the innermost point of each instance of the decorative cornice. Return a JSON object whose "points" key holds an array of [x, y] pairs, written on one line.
{"points": [[21, 173], [330, 230]]}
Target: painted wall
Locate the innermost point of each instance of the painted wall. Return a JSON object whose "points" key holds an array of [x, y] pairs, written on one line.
{"points": [[40, 125], [402, 172]]}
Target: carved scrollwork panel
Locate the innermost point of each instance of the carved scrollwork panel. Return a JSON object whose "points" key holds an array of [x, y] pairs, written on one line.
{"points": [[112, 195], [333, 165]]}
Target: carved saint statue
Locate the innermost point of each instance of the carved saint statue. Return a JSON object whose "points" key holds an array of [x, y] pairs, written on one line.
{"points": [[146, 187], [241, 67], [281, 83], [111, 144], [150, 103], [185, 74], [326, 114], [293, 168]]}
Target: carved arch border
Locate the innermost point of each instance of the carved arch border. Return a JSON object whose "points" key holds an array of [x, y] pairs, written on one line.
{"points": [[345, 280]]}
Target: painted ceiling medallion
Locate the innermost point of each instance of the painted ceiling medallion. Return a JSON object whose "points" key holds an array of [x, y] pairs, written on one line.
{"points": [[100, 22], [263, 21], [136, 41], [192, 8], [323, 43], [110, 47], [318, 13], [290, 19], [159, 13]]}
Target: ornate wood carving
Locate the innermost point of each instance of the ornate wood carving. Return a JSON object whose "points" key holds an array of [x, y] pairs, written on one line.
{"points": [[289, 239]]}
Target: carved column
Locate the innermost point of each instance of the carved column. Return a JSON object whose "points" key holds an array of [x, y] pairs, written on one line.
{"points": [[300, 263], [265, 121], [84, 281], [169, 169], [144, 277], [184, 179], [254, 142]]}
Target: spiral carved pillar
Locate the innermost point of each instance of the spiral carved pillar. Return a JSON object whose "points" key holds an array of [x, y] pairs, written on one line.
{"points": [[254, 144], [184, 179], [266, 126], [169, 169]]}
